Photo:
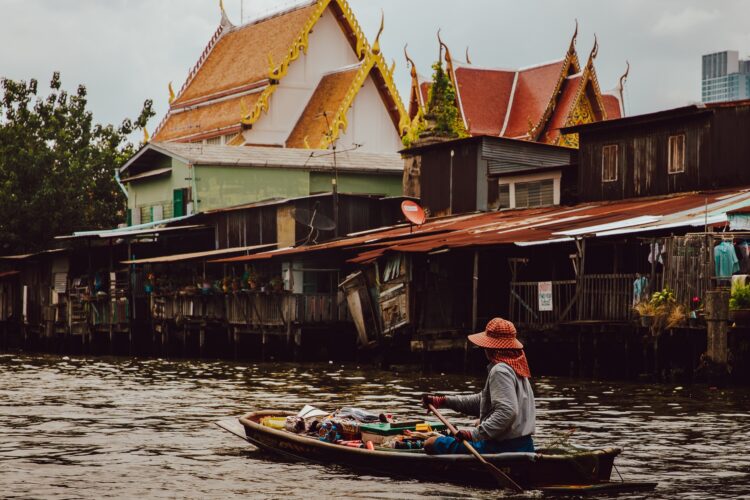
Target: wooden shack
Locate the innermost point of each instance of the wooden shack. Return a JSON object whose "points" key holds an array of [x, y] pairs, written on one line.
{"points": [[692, 148]]}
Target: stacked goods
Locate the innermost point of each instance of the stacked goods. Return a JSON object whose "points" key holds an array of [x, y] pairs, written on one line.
{"points": [[357, 428]]}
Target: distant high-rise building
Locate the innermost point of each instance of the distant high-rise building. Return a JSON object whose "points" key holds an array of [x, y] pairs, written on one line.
{"points": [[726, 77]]}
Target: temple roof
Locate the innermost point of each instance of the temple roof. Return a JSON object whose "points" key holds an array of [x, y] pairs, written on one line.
{"points": [[231, 85], [315, 121], [530, 103], [534, 90], [229, 65], [485, 95]]}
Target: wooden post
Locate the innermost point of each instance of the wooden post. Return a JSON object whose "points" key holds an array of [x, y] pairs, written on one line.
{"points": [[475, 292], [717, 317]]}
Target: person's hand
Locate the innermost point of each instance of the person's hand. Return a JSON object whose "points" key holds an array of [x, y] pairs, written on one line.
{"points": [[464, 435], [432, 399]]}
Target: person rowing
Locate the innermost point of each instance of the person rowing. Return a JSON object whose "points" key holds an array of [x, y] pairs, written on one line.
{"points": [[505, 406]]}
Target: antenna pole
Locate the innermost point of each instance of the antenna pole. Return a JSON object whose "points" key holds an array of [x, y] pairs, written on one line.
{"points": [[242, 11], [335, 182]]}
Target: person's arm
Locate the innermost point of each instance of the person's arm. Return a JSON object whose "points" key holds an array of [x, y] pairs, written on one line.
{"points": [[468, 405], [505, 410]]}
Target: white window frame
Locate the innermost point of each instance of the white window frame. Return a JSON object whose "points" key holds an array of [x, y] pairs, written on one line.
{"points": [[616, 148], [670, 158], [555, 176]]}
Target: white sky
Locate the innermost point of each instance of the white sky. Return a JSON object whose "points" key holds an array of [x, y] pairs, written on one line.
{"points": [[126, 51]]}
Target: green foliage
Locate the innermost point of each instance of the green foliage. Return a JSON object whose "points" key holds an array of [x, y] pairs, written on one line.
{"points": [[663, 298], [441, 105], [56, 166], [740, 298]]}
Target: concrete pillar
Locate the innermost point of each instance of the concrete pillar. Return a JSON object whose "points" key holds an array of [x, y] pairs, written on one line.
{"points": [[717, 318]]}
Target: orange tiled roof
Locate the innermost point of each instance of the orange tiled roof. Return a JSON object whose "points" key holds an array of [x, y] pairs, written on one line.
{"points": [[327, 98], [485, 95], [240, 56], [205, 119]]}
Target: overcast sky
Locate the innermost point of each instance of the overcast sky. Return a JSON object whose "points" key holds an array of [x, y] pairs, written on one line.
{"points": [[126, 51]]}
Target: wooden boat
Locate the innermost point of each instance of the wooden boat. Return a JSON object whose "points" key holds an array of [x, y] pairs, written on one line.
{"points": [[556, 471]]}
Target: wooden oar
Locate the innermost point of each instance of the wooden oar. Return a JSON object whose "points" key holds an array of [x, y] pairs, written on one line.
{"points": [[501, 477]]}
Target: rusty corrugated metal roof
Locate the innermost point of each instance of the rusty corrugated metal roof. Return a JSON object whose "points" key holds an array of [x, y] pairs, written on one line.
{"points": [[536, 225]]}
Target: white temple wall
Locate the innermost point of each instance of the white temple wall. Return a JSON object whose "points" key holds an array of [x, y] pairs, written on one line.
{"points": [[369, 123]]}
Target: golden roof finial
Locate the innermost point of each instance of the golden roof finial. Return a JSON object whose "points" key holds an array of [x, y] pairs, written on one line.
{"points": [[171, 93], [595, 49], [575, 37], [624, 76], [225, 22], [447, 50], [376, 44], [146, 137], [410, 62], [468, 59]]}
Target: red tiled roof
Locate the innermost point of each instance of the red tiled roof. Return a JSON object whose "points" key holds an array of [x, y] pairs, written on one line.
{"points": [[564, 107], [533, 93], [612, 106], [484, 95]]}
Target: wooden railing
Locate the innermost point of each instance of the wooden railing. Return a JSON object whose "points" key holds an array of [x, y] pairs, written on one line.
{"points": [[524, 304], [594, 297], [253, 309], [606, 297], [108, 312]]}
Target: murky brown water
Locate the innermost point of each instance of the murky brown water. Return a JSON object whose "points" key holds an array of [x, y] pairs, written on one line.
{"points": [[84, 428]]}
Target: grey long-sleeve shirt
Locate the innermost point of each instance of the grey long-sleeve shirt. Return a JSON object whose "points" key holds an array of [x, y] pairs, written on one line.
{"points": [[505, 406]]}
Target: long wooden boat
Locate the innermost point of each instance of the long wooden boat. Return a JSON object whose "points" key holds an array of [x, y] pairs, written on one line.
{"points": [[580, 472]]}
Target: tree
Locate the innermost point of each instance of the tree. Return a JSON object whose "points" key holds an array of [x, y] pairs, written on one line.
{"points": [[441, 118], [441, 105], [56, 166]]}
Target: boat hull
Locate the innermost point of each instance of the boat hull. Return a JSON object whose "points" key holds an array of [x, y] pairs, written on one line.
{"points": [[531, 470]]}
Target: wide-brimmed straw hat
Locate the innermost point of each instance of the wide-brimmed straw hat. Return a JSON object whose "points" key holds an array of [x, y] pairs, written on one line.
{"points": [[499, 334]]}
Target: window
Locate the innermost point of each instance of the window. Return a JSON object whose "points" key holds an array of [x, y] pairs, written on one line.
{"points": [[534, 194], [503, 199], [609, 163], [676, 162]]}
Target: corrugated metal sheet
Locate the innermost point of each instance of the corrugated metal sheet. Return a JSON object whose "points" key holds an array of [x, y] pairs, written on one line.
{"points": [[535, 226], [506, 158], [267, 157], [182, 257]]}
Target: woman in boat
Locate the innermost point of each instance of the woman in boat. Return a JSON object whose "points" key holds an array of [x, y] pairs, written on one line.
{"points": [[505, 406]]}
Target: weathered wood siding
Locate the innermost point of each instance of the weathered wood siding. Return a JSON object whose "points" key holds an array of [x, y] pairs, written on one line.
{"points": [[642, 158], [717, 154]]}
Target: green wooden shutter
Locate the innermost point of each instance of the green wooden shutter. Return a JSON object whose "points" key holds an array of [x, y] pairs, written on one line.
{"points": [[129, 217], [178, 205]]}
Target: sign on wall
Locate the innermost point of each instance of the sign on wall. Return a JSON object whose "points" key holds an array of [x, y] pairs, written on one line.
{"points": [[545, 296]]}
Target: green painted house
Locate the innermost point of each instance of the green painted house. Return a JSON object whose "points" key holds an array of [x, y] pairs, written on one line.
{"points": [[168, 180]]}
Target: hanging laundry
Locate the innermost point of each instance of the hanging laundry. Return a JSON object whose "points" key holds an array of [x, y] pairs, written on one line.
{"points": [[743, 249], [725, 259], [640, 289], [656, 253]]}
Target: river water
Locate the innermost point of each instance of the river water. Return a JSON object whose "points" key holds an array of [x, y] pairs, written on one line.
{"points": [[121, 428]]}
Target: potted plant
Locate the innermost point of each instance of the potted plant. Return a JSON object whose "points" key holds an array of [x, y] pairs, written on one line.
{"points": [[646, 311], [276, 284], [739, 304], [696, 312]]}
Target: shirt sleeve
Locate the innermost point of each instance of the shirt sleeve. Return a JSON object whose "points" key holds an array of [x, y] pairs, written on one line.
{"points": [[504, 402], [468, 405]]}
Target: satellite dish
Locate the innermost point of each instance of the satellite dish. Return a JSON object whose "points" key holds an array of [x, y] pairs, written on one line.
{"points": [[413, 212], [315, 221]]}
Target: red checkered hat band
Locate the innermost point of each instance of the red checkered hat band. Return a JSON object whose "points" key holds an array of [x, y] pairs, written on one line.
{"points": [[499, 334]]}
